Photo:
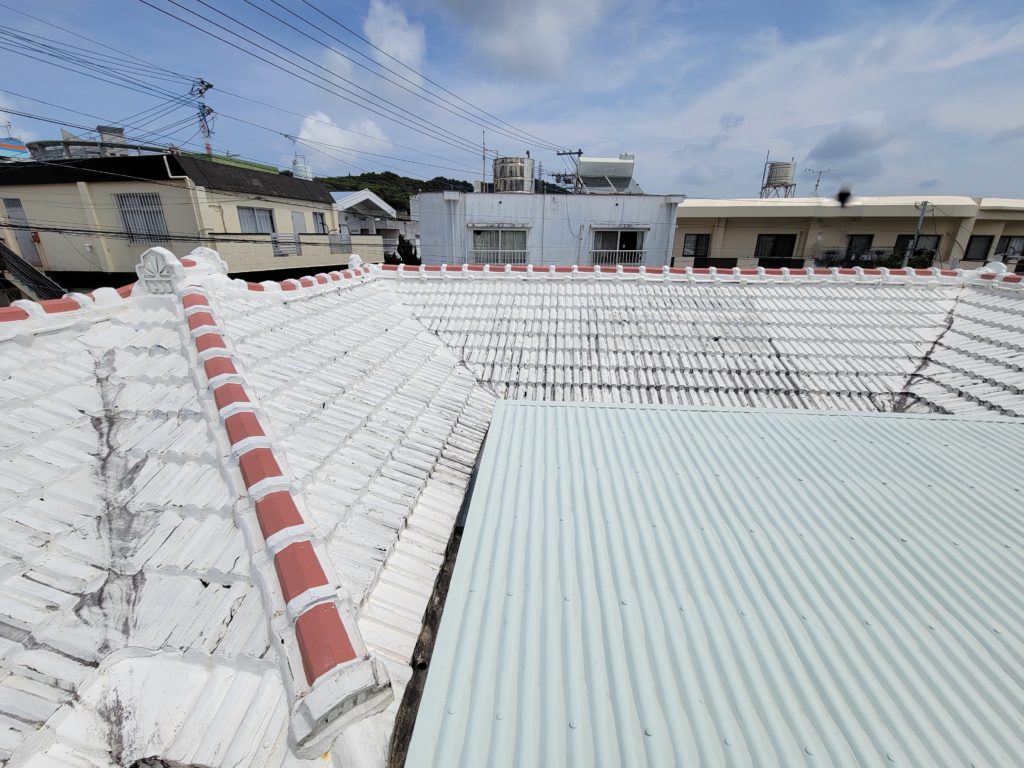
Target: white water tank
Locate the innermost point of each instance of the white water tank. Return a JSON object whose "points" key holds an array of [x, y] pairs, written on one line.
{"points": [[513, 174], [781, 174], [301, 168]]}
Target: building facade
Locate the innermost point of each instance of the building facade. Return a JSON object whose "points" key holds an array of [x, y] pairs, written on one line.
{"points": [[491, 228], [869, 231], [77, 218]]}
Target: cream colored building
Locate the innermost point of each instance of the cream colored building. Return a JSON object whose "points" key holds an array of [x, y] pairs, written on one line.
{"points": [[74, 219], [868, 231]]}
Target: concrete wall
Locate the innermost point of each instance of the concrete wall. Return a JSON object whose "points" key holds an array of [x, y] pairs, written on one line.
{"points": [[560, 228], [210, 216]]}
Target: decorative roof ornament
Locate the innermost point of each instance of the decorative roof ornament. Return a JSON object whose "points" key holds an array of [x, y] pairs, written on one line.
{"points": [[159, 271], [207, 260]]}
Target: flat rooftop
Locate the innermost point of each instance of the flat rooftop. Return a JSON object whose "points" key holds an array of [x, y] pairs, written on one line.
{"points": [[656, 585]]}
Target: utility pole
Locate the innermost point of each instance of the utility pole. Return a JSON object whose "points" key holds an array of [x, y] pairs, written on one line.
{"points": [[483, 161], [821, 172], [540, 177], [917, 233], [199, 89], [577, 155]]}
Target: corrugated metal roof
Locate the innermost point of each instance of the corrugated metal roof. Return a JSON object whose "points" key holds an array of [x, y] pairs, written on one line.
{"points": [[673, 586]]}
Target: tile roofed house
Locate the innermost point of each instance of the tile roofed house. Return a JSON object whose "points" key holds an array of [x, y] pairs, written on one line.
{"points": [[225, 504]]}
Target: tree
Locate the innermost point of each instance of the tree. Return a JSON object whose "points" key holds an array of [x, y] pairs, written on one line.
{"points": [[407, 251]]}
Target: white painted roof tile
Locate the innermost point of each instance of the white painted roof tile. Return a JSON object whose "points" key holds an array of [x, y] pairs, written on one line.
{"points": [[118, 525]]}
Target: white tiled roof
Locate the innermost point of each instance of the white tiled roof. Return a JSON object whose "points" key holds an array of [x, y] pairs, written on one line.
{"points": [[141, 436]]}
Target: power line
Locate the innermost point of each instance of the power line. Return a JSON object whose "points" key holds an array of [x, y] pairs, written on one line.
{"points": [[438, 134], [462, 112], [418, 73]]}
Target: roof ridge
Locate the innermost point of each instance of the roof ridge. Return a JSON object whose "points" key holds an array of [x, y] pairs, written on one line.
{"points": [[317, 629], [710, 274]]}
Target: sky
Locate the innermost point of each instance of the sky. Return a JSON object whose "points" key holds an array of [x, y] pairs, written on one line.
{"points": [[909, 98]]}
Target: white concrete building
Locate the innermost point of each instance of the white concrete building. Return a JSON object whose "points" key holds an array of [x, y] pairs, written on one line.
{"points": [[472, 228]]}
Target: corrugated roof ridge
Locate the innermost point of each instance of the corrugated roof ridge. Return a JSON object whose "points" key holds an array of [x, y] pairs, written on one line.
{"points": [[317, 627], [708, 274]]}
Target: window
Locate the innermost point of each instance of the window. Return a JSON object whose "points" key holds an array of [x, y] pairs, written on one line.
{"points": [[142, 215], [858, 245], [776, 251], [618, 246], [978, 247], [319, 223], [696, 245], [1010, 247], [703, 262], [927, 245], [499, 246], [256, 221]]}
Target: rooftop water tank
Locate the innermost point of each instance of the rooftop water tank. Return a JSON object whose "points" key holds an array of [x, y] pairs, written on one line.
{"points": [[513, 174]]}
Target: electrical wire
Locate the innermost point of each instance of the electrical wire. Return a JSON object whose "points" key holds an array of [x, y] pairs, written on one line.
{"points": [[387, 112], [442, 103], [418, 73]]}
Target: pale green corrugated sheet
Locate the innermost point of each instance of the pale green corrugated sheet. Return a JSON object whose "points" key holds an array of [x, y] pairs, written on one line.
{"points": [[668, 586]]}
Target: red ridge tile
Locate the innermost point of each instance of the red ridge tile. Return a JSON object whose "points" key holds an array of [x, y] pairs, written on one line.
{"points": [[209, 341], [277, 511], [226, 394], [218, 366], [242, 425], [254, 287], [12, 313], [298, 569], [190, 300], [199, 319], [258, 464], [52, 306], [125, 290], [323, 641]]}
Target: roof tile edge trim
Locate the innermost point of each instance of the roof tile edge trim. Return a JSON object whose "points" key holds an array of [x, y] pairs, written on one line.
{"points": [[195, 264], [340, 682], [761, 274]]}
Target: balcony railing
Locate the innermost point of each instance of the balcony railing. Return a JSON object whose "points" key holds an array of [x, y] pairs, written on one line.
{"points": [[497, 257], [611, 258], [872, 257]]}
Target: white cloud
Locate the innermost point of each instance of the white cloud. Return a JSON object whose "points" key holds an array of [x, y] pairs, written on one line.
{"points": [[337, 64], [334, 148], [530, 37], [388, 28], [884, 105]]}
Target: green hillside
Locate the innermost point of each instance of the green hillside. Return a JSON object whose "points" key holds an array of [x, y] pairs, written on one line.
{"points": [[395, 190]]}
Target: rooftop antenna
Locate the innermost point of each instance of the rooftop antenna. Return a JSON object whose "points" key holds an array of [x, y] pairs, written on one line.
{"points": [[821, 172]]}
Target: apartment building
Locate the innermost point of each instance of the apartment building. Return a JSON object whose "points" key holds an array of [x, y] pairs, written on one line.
{"points": [[81, 220], [956, 231], [518, 228]]}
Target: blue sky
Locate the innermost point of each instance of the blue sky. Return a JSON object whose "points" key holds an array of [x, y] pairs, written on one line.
{"points": [[895, 98]]}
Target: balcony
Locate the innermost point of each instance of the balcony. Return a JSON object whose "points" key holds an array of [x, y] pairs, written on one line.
{"points": [[873, 257], [613, 258], [495, 257]]}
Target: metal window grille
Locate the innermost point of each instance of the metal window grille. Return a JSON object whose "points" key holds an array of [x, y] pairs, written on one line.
{"points": [[142, 216], [340, 242], [285, 244]]}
